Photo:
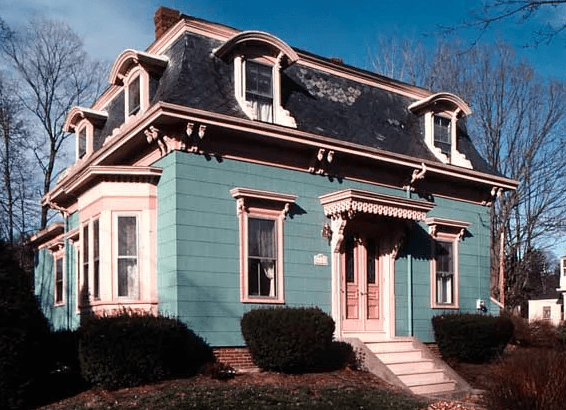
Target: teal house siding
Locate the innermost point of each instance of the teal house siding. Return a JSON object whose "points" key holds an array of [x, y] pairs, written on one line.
{"points": [[474, 269], [199, 272], [63, 316]]}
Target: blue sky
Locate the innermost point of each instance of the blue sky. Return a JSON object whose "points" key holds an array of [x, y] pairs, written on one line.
{"points": [[328, 28]]}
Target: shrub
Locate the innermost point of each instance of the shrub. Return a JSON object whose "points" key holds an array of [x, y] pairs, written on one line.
{"points": [[533, 381], [470, 337], [293, 340], [537, 333], [24, 334], [131, 348], [561, 336]]}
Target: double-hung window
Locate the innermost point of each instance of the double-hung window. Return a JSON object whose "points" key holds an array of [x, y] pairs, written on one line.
{"points": [[259, 90], [82, 141], [443, 134], [446, 235], [261, 216], [262, 257], [96, 259], [444, 273], [85, 254], [134, 100], [59, 281], [127, 257]]}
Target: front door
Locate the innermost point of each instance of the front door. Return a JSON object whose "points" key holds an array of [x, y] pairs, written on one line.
{"points": [[362, 307]]}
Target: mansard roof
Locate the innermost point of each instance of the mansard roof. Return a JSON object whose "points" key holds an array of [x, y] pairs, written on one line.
{"points": [[332, 100]]}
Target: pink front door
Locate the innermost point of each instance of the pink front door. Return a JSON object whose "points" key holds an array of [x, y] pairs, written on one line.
{"points": [[361, 285]]}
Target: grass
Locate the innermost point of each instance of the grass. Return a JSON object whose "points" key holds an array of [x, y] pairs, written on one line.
{"points": [[229, 397]]}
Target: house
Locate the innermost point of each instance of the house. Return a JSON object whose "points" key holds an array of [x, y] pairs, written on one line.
{"points": [[224, 170]]}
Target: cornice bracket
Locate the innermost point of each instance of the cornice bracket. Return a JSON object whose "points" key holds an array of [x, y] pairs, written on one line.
{"points": [[321, 163]]}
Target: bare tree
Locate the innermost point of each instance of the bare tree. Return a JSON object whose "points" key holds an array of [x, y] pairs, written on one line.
{"points": [[12, 161], [495, 11], [518, 125], [56, 74]]}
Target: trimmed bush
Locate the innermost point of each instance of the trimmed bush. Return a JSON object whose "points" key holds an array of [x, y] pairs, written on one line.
{"points": [[531, 381], [473, 338], [132, 348], [537, 333], [293, 340], [24, 335]]}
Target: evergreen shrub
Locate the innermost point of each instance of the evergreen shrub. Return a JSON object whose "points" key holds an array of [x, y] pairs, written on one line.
{"points": [[134, 348], [473, 338], [24, 336], [293, 340]]}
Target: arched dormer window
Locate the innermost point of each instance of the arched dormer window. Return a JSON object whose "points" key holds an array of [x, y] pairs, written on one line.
{"points": [[441, 113], [83, 121], [258, 59], [135, 70]]}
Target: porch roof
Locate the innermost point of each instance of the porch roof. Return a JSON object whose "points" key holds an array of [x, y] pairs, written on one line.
{"points": [[348, 202]]}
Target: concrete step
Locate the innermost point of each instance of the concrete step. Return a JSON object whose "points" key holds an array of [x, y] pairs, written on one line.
{"points": [[413, 379], [434, 388], [392, 346], [414, 366], [400, 356]]}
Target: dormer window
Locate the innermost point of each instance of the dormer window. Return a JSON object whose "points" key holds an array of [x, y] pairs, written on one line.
{"points": [[134, 71], [441, 113], [134, 96], [443, 134], [259, 90], [259, 59], [83, 122]]}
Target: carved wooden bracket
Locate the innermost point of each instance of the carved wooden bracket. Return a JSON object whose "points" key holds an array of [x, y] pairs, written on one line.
{"points": [[417, 175], [496, 192], [321, 162], [193, 140], [165, 143]]}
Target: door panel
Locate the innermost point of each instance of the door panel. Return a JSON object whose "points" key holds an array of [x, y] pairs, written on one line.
{"points": [[361, 288]]}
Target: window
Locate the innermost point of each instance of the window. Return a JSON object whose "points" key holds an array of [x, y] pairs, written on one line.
{"points": [[546, 312], [259, 90], [262, 258], [127, 258], [444, 273], [257, 87], [59, 281], [82, 142], [443, 134], [96, 259], [446, 235], [85, 254], [134, 96], [261, 215]]}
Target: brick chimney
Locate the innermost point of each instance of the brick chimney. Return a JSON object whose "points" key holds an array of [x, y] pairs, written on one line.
{"points": [[164, 19]]}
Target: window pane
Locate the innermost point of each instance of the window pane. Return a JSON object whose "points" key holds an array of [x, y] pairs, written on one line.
{"points": [[444, 272], [134, 96], [259, 90], [262, 238], [82, 142], [85, 260], [127, 236], [59, 280], [442, 134], [262, 277], [349, 245], [371, 256], [128, 284]]}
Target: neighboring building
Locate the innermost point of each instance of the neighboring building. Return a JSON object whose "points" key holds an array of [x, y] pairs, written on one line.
{"points": [[545, 309], [223, 171]]}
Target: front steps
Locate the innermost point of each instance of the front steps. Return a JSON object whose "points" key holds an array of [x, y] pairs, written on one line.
{"points": [[407, 363]]}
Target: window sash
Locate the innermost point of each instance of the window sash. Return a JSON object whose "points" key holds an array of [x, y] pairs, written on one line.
{"points": [[443, 133], [134, 96], [127, 258], [262, 257], [444, 273], [96, 258], [82, 142], [59, 280], [85, 254], [259, 90]]}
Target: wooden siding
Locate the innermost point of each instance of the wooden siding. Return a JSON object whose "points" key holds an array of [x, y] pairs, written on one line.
{"points": [[198, 246]]}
